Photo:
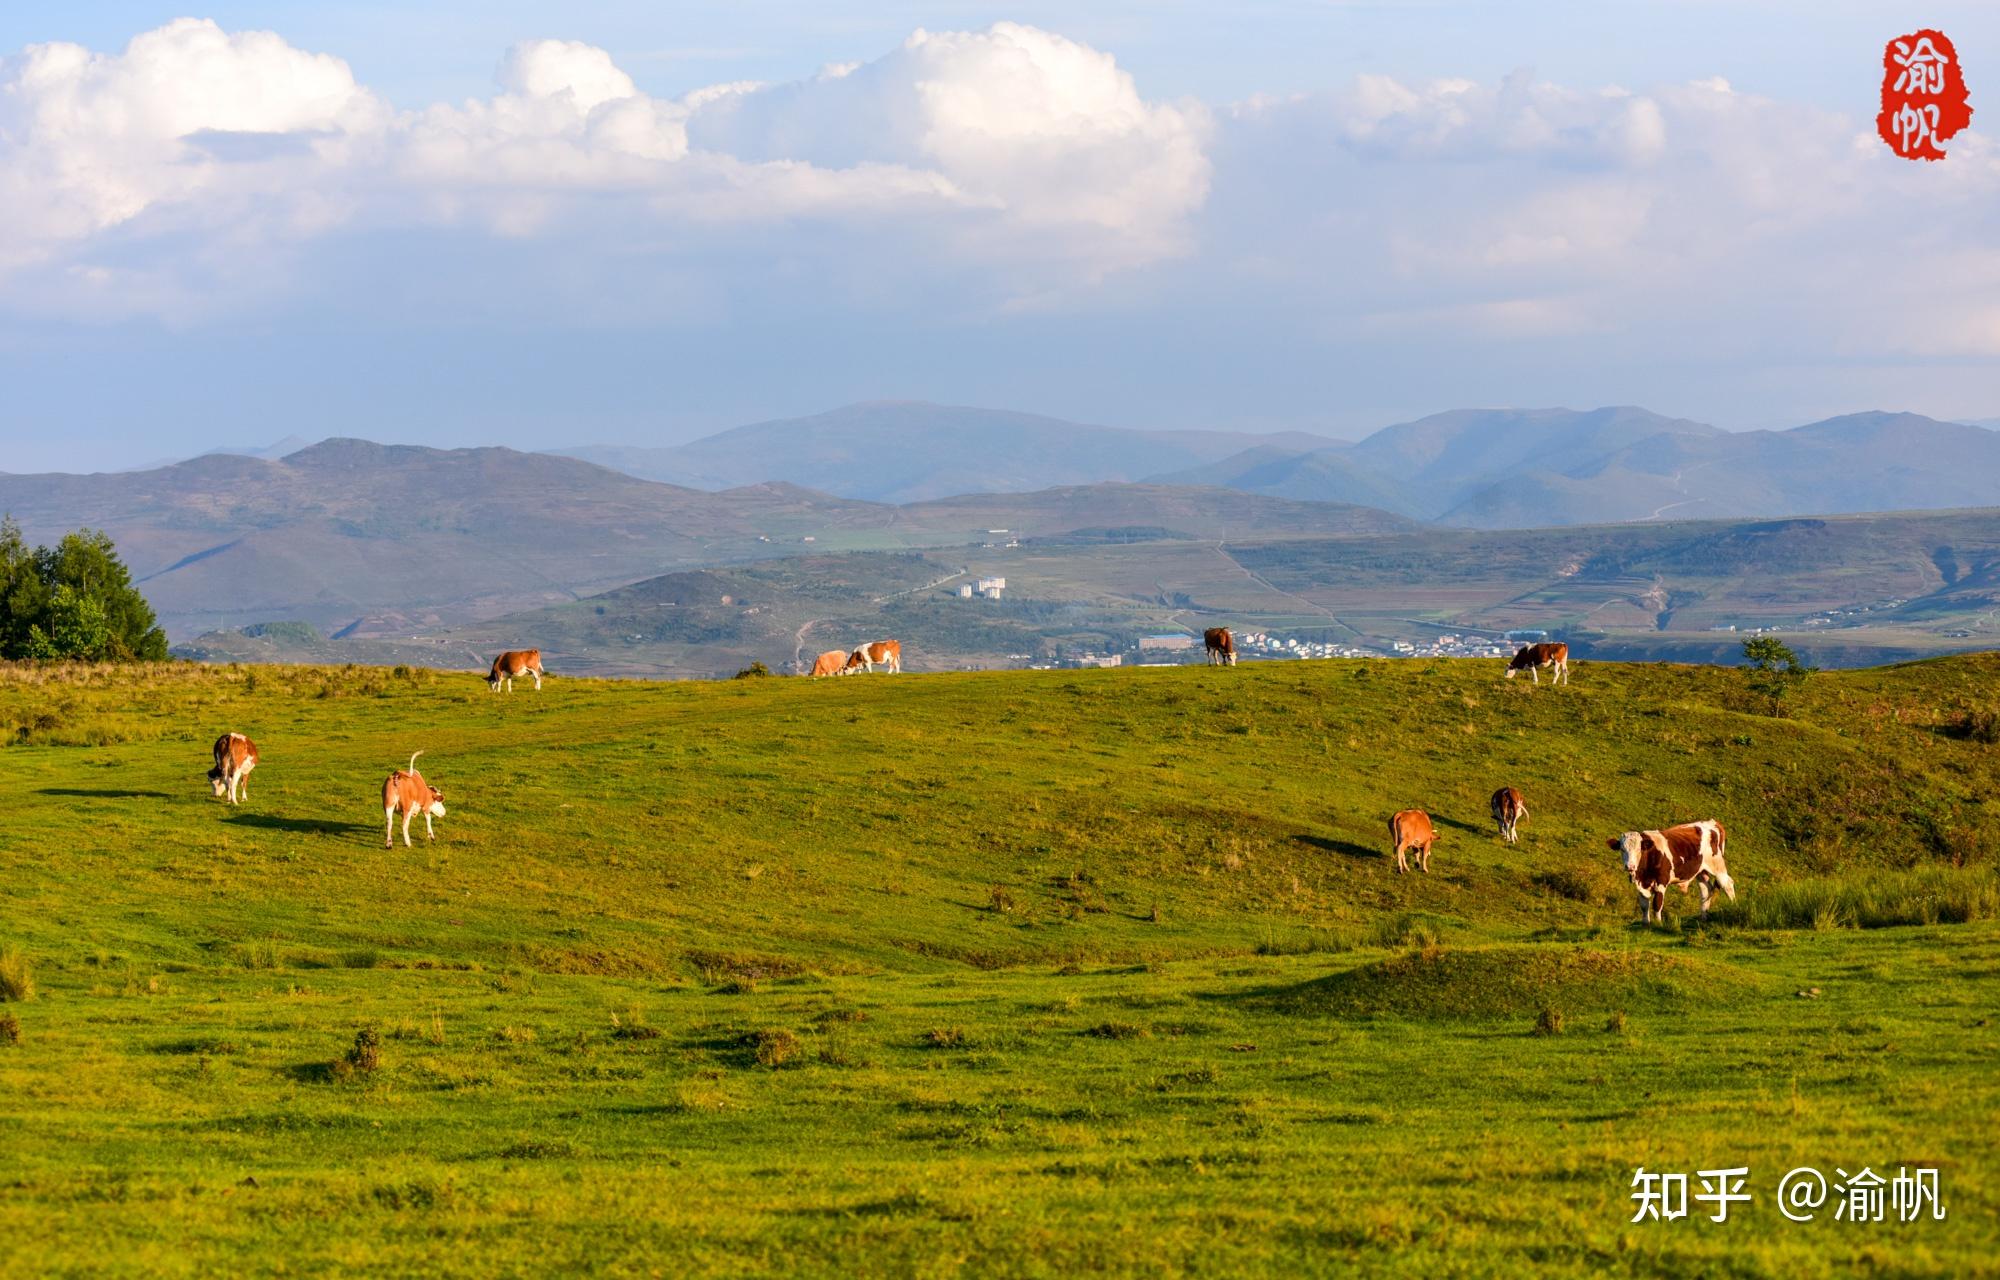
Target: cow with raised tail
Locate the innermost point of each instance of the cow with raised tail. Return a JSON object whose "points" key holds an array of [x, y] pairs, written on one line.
{"points": [[1690, 854], [515, 662], [887, 654], [235, 757], [1410, 831], [1221, 646], [407, 793], [1532, 658], [1510, 810]]}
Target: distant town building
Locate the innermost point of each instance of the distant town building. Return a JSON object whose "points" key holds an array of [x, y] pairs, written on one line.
{"points": [[996, 584], [991, 593], [1166, 642], [965, 591]]}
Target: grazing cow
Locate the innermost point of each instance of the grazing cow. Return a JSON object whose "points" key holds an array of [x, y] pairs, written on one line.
{"points": [[831, 663], [885, 653], [1221, 646], [407, 792], [1532, 658], [1411, 830], [515, 662], [1690, 854], [235, 757], [1510, 810]]}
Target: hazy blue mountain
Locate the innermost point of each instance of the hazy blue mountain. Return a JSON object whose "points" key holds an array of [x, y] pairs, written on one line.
{"points": [[908, 451]]}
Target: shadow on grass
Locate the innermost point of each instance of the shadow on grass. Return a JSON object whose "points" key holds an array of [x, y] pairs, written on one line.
{"points": [[1347, 847], [103, 793], [306, 826], [1476, 828]]}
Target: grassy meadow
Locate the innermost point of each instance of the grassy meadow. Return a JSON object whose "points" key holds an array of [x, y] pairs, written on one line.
{"points": [[1036, 973]]}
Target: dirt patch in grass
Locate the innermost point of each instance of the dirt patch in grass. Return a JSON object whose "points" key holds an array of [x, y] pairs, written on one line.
{"points": [[1446, 984]]}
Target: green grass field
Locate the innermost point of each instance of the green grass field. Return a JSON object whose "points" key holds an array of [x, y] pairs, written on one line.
{"points": [[1001, 974]]}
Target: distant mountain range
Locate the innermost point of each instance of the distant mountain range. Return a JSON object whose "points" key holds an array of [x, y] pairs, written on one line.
{"points": [[906, 451], [1474, 468], [362, 539]]}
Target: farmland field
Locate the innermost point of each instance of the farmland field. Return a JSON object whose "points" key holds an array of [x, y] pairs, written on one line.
{"points": [[970, 974]]}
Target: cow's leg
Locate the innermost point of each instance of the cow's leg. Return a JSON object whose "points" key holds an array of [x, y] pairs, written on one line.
{"points": [[428, 833], [538, 680], [407, 815], [389, 827], [1424, 859], [1401, 865], [1535, 674], [1702, 884]]}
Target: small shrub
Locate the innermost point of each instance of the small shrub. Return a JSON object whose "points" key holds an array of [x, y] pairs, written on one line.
{"points": [[629, 1032], [1615, 1024], [755, 671], [773, 1047], [17, 980], [1566, 882], [10, 1029], [366, 1055], [1549, 1022], [1406, 931], [1002, 901], [945, 1038], [1974, 726], [516, 1035], [1119, 1031]]}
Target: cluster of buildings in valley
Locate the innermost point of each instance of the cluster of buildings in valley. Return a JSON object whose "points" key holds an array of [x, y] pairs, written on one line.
{"points": [[1174, 648], [985, 589]]}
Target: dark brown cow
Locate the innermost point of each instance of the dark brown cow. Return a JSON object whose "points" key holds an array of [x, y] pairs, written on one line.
{"points": [[831, 663], [1532, 658], [515, 662], [876, 653], [235, 757], [1221, 646], [1510, 810], [406, 792], [1690, 854], [1411, 830]]}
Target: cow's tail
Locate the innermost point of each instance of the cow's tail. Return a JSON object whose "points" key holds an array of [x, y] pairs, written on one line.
{"points": [[413, 761]]}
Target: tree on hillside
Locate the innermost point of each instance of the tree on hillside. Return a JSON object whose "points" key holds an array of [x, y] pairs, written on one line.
{"points": [[72, 600], [1775, 671]]}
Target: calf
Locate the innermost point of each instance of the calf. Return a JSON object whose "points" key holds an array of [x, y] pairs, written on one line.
{"points": [[1221, 646], [235, 757], [883, 653], [1410, 830], [1532, 658], [515, 662], [1688, 854], [831, 663], [407, 792], [1510, 810]]}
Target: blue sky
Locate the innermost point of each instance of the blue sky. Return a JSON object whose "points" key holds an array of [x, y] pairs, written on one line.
{"points": [[461, 223]]}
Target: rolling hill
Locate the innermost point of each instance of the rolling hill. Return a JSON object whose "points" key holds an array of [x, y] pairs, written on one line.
{"points": [[1008, 973], [1514, 469], [378, 541], [908, 451]]}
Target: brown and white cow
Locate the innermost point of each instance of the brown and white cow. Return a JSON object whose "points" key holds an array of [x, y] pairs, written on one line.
{"points": [[882, 653], [407, 793], [1410, 830], [235, 757], [1690, 854], [515, 662], [1510, 810], [1221, 646], [1532, 658], [831, 663]]}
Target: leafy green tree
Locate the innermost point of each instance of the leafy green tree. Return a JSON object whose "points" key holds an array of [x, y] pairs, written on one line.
{"points": [[75, 599], [78, 627], [1775, 671]]}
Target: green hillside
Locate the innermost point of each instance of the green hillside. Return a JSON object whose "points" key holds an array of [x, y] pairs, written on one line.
{"points": [[1009, 973]]}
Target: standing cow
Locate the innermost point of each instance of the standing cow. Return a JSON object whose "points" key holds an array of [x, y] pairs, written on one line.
{"points": [[1221, 646], [1510, 810], [1532, 658], [407, 793], [235, 757], [1690, 854], [831, 663], [515, 662], [1411, 831], [876, 653]]}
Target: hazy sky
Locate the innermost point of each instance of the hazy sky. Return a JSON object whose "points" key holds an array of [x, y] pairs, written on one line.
{"points": [[492, 222]]}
